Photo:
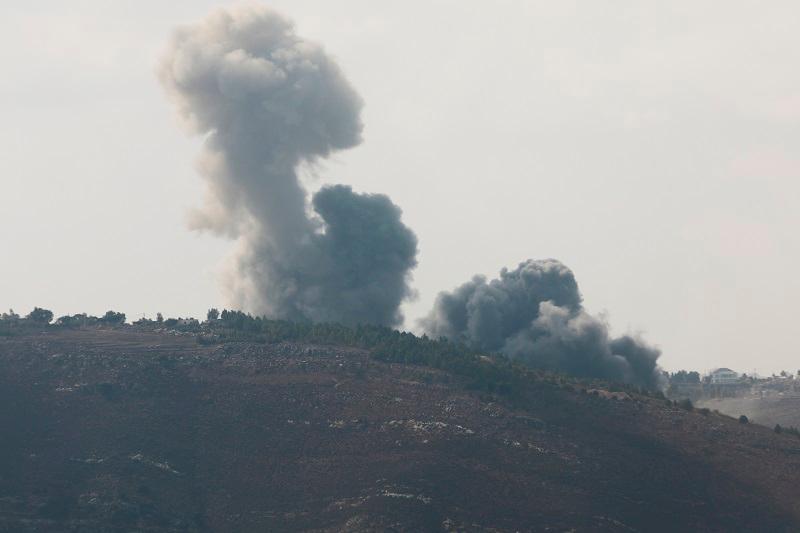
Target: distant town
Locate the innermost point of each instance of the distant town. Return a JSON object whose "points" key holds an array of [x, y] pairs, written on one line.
{"points": [[727, 383]]}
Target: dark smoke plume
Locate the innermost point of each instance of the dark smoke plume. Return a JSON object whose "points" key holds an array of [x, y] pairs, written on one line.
{"points": [[269, 101], [535, 314]]}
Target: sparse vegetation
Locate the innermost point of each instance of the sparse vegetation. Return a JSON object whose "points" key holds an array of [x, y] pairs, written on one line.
{"points": [[77, 321], [493, 374], [11, 316], [682, 376], [11, 323], [333, 391], [8, 323], [40, 316], [113, 318]]}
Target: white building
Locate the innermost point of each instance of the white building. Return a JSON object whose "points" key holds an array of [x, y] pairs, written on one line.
{"points": [[723, 376]]}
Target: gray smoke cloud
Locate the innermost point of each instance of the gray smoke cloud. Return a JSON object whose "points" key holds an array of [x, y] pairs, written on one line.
{"points": [[268, 102], [535, 314]]}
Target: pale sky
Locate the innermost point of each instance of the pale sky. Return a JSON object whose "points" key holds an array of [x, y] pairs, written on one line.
{"points": [[653, 147]]}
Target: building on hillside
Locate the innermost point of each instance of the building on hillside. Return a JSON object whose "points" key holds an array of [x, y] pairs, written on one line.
{"points": [[723, 376]]}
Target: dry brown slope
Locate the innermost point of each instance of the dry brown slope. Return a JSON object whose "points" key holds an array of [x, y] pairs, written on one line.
{"points": [[117, 430]]}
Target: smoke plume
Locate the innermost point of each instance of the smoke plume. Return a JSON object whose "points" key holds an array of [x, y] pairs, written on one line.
{"points": [[267, 102], [535, 314]]}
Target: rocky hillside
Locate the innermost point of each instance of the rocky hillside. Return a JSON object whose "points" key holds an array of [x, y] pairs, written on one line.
{"points": [[131, 430]]}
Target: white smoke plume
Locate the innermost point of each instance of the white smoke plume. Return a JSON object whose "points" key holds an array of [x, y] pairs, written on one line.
{"points": [[268, 101]]}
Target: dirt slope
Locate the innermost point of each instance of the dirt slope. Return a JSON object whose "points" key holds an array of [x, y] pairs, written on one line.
{"points": [[119, 430], [767, 411]]}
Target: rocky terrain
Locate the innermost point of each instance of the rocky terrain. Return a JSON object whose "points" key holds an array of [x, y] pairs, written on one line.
{"points": [[119, 429]]}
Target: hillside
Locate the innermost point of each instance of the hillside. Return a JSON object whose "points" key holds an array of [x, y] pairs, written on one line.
{"points": [[784, 411], [130, 429]]}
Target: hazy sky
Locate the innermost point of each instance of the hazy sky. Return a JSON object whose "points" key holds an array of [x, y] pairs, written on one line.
{"points": [[653, 147]]}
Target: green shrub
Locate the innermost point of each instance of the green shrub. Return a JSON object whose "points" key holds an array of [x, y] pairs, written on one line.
{"points": [[113, 318], [77, 321], [40, 316]]}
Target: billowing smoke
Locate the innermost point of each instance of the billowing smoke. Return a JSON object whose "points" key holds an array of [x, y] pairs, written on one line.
{"points": [[535, 314], [268, 102]]}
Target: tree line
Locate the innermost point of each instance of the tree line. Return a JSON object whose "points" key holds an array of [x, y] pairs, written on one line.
{"points": [[493, 373], [11, 322]]}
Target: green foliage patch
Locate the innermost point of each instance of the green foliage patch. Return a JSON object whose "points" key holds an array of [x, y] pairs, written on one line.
{"points": [[490, 373]]}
